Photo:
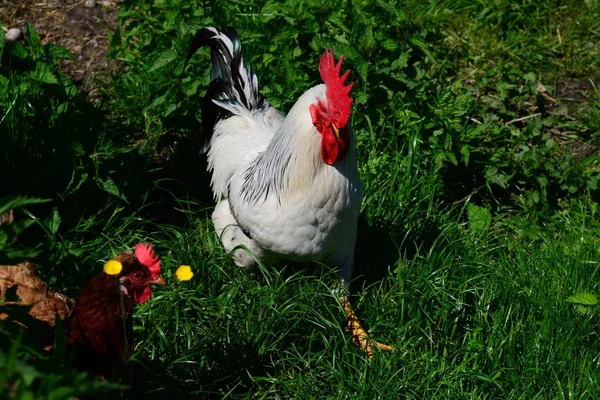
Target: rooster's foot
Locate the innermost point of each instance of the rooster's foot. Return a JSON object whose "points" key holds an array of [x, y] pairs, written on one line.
{"points": [[359, 333]]}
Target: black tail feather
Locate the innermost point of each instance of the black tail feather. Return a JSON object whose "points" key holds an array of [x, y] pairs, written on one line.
{"points": [[232, 82]]}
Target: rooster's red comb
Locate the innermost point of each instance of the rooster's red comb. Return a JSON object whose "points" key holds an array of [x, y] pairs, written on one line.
{"points": [[147, 258], [337, 94]]}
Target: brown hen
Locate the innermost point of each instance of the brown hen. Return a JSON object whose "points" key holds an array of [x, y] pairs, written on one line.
{"points": [[98, 325]]}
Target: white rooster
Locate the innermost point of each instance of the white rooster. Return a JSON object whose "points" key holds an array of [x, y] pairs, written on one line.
{"points": [[287, 187]]}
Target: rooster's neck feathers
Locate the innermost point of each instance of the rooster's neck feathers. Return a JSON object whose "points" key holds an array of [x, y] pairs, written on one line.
{"points": [[291, 158]]}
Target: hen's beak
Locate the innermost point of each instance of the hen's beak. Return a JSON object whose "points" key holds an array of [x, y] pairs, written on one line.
{"points": [[336, 131], [158, 281]]}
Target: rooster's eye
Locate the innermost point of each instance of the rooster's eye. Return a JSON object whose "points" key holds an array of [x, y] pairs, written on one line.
{"points": [[137, 276]]}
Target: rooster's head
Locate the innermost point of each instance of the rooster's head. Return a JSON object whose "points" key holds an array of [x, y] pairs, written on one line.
{"points": [[140, 271], [330, 116]]}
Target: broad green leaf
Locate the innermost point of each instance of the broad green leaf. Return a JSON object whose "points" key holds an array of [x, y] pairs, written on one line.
{"points": [[584, 310], [43, 73], [8, 203], [53, 221], [111, 187], [157, 102], [584, 298], [28, 374], [165, 58], [479, 218], [493, 175], [465, 152], [33, 39], [59, 52], [115, 38], [17, 50]]}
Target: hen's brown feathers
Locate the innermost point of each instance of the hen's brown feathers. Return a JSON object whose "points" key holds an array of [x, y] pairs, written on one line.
{"points": [[96, 323]]}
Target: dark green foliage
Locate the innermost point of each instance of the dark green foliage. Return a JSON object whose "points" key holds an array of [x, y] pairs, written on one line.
{"points": [[53, 142], [48, 130], [10, 251]]}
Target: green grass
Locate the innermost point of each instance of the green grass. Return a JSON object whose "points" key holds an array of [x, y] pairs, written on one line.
{"points": [[477, 134]]}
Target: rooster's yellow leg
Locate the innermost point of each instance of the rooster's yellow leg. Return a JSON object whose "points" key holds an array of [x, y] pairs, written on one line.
{"points": [[359, 334]]}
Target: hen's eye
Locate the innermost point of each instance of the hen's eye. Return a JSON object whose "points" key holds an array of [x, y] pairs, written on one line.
{"points": [[137, 276]]}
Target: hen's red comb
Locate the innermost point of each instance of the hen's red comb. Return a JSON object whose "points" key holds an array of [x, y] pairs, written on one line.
{"points": [[337, 94], [147, 258]]}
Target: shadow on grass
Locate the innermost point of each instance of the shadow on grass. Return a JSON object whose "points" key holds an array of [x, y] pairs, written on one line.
{"points": [[224, 370], [379, 248]]}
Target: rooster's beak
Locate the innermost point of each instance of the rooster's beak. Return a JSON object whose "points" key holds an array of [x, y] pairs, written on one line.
{"points": [[158, 281], [336, 131]]}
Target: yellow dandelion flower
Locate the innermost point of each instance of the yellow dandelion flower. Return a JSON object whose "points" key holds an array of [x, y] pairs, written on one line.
{"points": [[113, 267], [184, 273]]}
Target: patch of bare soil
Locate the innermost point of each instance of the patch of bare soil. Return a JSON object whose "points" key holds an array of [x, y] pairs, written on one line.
{"points": [[569, 94], [78, 25]]}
